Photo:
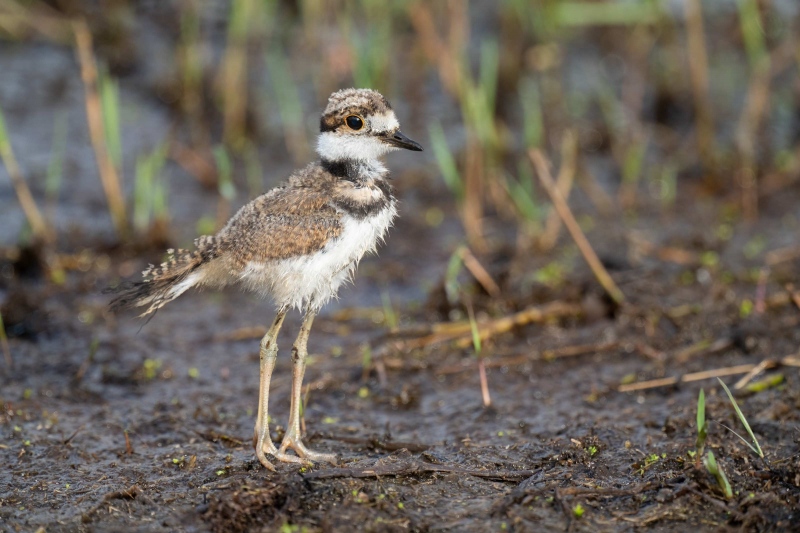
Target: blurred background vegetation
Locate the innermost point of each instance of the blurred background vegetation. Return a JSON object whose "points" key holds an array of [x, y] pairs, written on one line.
{"points": [[650, 106]]}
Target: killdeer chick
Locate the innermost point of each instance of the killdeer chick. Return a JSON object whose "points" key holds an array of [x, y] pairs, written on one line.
{"points": [[296, 244]]}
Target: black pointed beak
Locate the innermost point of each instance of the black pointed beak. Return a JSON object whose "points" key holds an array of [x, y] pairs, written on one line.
{"points": [[399, 139]]}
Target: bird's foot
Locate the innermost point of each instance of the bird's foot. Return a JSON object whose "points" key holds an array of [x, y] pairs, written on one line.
{"points": [[304, 455], [265, 446]]}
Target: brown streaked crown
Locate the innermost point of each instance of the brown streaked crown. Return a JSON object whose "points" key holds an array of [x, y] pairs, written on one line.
{"points": [[361, 102]]}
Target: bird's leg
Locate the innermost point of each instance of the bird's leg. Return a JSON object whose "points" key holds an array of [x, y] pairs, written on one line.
{"points": [[292, 439], [268, 354]]}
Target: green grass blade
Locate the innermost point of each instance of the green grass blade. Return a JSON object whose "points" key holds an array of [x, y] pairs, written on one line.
{"points": [[225, 170], [446, 161], [451, 285], [757, 448]]}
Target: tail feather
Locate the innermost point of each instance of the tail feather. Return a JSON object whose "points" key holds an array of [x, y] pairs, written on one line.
{"points": [[164, 283]]}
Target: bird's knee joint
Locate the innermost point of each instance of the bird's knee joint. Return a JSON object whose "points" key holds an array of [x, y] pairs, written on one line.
{"points": [[296, 354]]}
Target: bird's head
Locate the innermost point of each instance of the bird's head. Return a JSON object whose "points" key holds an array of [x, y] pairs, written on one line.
{"points": [[360, 124]]}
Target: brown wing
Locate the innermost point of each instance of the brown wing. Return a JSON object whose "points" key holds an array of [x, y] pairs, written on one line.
{"points": [[281, 224]]}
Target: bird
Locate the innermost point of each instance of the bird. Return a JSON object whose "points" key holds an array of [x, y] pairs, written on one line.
{"points": [[296, 245]]}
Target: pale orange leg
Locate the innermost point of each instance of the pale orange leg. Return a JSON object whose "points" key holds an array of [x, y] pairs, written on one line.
{"points": [[292, 439], [268, 355]]}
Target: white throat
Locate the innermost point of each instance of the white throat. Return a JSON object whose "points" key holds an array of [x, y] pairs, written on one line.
{"points": [[342, 147]]}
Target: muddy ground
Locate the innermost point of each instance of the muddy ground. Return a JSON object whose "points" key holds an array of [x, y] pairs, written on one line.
{"points": [[108, 424]]}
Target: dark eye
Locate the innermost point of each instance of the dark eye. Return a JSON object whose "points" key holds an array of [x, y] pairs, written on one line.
{"points": [[354, 122]]}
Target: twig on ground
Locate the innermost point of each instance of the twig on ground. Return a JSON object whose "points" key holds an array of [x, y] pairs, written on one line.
{"points": [[460, 331], [600, 272], [759, 368], [790, 360]]}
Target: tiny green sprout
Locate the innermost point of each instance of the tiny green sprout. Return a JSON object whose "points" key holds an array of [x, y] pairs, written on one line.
{"points": [[578, 511], [363, 392], [501, 433], [700, 442], [175, 460], [67, 486], [220, 472], [592, 450], [719, 474], [27, 443], [745, 308], [330, 420], [550, 499], [476, 336], [709, 259], [400, 505], [194, 373], [151, 367], [503, 526], [303, 469], [17, 429]]}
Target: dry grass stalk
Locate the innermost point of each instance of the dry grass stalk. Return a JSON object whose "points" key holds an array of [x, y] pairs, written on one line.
{"points": [[195, 163], [528, 316], [543, 171], [478, 272], [759, 368], [566, 176], [472, 207], [94, 115], [232, 80], [444, 53], [755, 108], [41, 231], [698, 70], [791, 360], [461, 331], [20, 19]]}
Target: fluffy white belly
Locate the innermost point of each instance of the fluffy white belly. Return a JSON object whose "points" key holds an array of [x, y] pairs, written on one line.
{"points": [[312, 280]]}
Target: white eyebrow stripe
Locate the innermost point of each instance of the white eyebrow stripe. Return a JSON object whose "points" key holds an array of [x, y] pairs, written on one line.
{"points": [[384, 122]]}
